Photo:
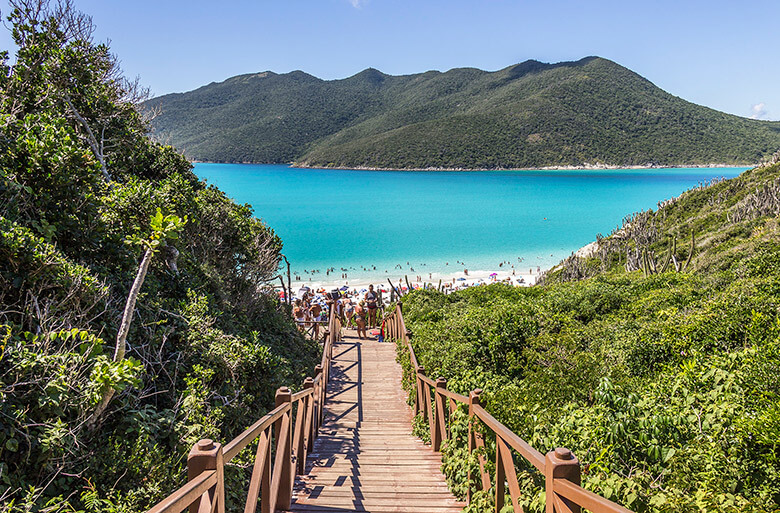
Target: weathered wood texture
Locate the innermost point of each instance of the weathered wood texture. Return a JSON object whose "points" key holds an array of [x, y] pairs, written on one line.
{"points": [[365, 458]]}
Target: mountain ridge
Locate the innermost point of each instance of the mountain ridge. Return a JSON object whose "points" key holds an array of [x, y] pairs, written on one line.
{"points": [[527, 115]]}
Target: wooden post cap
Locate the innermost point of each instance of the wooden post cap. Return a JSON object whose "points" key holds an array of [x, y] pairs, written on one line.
{"points": [[474, 396], [202, 456], [421, 369], [408, 334], [441, 383], [560, 464], [308, 383], [318, 369], [283, 395], [205, 455]]}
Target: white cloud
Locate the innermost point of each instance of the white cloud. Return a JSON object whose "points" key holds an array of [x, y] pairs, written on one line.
{"points": [[357, 4], [758, 111]]}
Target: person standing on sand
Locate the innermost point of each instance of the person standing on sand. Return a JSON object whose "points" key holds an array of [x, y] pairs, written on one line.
{"points": [[371, 303]]}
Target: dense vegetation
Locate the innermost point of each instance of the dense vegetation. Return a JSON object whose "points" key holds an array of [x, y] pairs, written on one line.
{"points": [[662, 377], [87, 423], [528, 115]]}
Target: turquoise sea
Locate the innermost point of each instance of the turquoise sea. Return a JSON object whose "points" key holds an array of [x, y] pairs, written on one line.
{"points": [[355, 219]]}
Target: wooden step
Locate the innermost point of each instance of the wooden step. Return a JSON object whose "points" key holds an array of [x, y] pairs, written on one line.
{"points": [[365, 458]]}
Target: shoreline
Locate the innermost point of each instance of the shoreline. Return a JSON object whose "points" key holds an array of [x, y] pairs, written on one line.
{"points": [[582, 167], [456, 281]]}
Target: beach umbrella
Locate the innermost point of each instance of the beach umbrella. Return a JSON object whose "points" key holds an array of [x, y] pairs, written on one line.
{"points": [[459, 279], [344, 288], [493, 274]]}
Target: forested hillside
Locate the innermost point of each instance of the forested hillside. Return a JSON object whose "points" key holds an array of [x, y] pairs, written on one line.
{"points": [[528, 115], [656, 359], [99, 408]]}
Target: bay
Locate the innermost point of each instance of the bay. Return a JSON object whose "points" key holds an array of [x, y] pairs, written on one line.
{"points": [[377, 224]]}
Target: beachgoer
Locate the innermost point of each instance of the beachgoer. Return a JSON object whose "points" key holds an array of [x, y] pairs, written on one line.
{"points": [[316, 316], [360, 320], [371, 303], [300, 317], [349, 312]]}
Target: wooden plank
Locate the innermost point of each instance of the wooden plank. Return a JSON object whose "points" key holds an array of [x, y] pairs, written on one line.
{"points": [[365, 454]]}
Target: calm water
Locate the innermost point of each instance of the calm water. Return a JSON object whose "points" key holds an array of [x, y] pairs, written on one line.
{"points": [[355, 219]]}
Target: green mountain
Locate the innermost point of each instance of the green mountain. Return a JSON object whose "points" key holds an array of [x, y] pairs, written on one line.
{"points": [[528, 115]]}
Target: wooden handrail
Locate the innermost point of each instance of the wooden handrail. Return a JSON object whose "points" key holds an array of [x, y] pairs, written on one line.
{"points": [[425, 379], [181, 499], [297, 396], [526, 451], [560, 467], [586, 498], [457, 397], [252, 432], [288, 440]]}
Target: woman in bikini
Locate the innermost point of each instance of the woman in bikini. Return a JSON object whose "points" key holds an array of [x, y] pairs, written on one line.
{"points": [[360, 320]]}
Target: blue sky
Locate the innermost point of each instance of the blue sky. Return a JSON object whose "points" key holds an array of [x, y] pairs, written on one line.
{"points": [[723, 54]]}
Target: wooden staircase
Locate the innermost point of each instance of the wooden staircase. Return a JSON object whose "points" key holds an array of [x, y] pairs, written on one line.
{"points": [[365, 458]]}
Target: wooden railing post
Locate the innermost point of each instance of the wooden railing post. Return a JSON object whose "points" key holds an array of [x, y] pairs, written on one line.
{"points": [[328, 344], [439, 432], [473, 401], [560, 464], [307, 440], [207, 455], [318, 407], [284, 450], [419, 404]]}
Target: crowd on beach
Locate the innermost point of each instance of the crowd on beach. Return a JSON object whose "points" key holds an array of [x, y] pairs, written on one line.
{"points": [[344, 273], [361, 310], [361, 307]]}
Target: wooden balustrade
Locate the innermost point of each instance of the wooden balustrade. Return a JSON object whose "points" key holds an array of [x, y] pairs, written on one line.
{"points": [[560, 468], [285, 435]]}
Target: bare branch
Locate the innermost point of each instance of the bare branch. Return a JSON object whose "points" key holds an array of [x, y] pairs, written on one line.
{"points": [[93, 142]]}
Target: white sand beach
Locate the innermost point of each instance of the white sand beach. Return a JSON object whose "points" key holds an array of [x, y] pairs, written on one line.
{"points": [[451, 282]]}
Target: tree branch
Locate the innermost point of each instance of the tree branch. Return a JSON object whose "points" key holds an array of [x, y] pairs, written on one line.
{"points": [[93, 143]]}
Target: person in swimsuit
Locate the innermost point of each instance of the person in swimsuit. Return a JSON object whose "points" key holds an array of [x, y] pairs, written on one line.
{"points": [[316, 316], [300, 317], [371, 299], [360, 320], [349, 312]]}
